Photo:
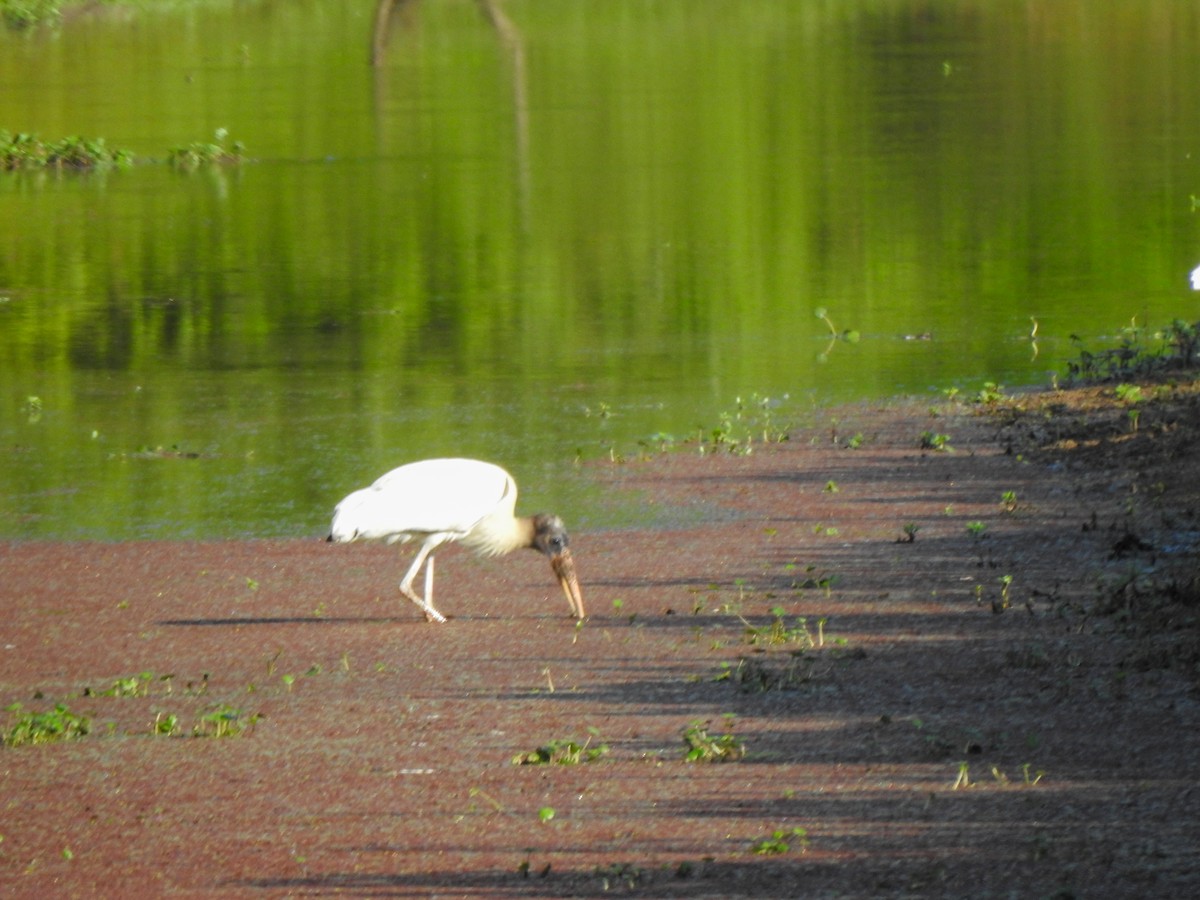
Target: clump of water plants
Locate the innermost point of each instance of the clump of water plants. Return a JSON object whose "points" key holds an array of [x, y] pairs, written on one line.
{"points": [[192, 156], [26, 151], [1141, 351], [19, 14]]}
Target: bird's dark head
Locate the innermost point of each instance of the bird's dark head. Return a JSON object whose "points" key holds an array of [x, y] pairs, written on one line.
{"points": [[549, 535]]}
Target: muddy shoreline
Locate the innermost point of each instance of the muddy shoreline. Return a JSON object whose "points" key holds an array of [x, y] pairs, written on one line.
{"points": [[958, 670]]}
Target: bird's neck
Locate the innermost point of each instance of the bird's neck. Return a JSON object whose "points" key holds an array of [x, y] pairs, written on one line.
{"points": [[501, 533]]}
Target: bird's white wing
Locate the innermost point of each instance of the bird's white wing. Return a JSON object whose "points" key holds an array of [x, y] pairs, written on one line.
{"points": [[429, 497]]}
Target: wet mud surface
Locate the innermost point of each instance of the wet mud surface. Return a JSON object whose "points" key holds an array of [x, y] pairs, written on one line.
{"points": [[952, 672]]}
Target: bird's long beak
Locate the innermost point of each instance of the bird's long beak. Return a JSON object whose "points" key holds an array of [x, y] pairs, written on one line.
{"points": [[564, 568]]}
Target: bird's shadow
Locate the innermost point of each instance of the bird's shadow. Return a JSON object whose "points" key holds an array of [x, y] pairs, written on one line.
{"points": [[285, 620], [227, 622]]}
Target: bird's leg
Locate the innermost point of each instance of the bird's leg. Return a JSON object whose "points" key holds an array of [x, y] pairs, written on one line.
{"points": [[429, 591], [426, 605]]}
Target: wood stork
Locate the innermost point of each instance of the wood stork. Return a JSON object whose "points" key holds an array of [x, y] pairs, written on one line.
{"points": [[439, 501]]}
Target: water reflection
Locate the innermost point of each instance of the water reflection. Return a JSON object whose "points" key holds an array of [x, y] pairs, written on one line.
{"points": [[466, 226]]}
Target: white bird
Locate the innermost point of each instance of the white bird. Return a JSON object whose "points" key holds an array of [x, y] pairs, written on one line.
{"points": [[439, 501], [1195, 276]]}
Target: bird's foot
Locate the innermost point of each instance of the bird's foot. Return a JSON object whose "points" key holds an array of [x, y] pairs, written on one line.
{"points": [[431, 614]]}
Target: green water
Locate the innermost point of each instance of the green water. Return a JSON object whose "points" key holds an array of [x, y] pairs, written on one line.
{"points": [[552, 240]]}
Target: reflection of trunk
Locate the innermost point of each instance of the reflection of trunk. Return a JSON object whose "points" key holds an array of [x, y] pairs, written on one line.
{"points": [[383, 22], [490, 9], [509, 36]]}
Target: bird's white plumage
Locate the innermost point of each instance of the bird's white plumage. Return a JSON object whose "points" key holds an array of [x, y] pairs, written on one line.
{"points": [[1195, 276], [435, 496]]}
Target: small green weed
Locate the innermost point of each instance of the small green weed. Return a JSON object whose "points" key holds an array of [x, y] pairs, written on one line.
{"points": [[990, 394], [778, 632], [224, 721], [133, 686], [1131, 395], [563, 753], [930, 440], [1005, 600], [623, 874], [756, 675], [700, 746], [781, 841]]}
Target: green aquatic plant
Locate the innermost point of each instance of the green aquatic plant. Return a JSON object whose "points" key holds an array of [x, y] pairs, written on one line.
{"points": [[849, 335], [27, 151], [1141, 351], [192, 156], [19, 14]]}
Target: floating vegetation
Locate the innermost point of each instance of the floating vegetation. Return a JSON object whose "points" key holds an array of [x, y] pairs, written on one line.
{"points": [[195, 155], [847, 335], [26, 151], [19, 14]]}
